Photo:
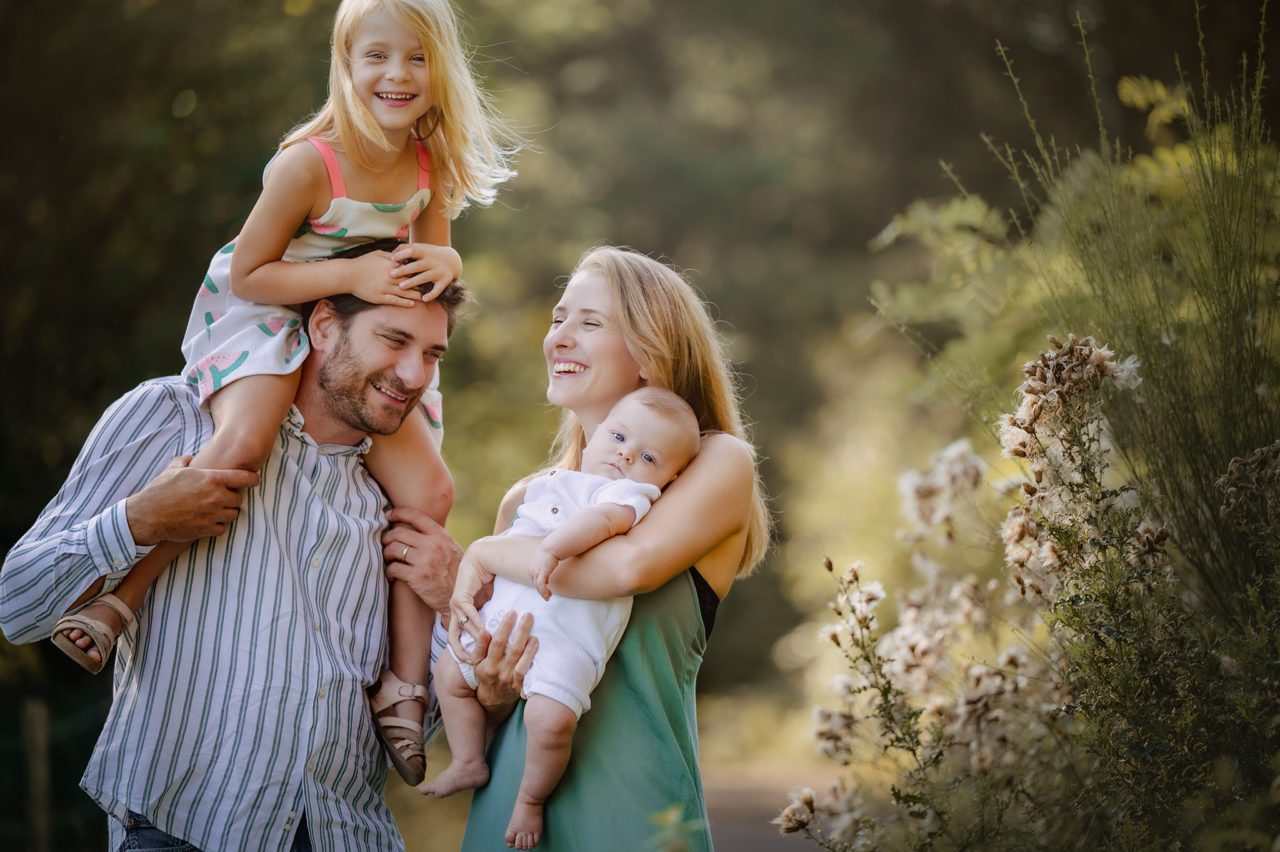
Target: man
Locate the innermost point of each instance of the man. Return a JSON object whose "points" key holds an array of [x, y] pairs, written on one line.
{"points": [[240, 719]]}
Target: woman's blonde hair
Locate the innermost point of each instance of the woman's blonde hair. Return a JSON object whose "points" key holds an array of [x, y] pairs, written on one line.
{"points": [[470, 146], [669, 332]]}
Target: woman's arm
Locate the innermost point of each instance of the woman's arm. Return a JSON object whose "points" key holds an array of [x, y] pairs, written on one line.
{"points": [[705, 510], [297, 187], [511, 502]]}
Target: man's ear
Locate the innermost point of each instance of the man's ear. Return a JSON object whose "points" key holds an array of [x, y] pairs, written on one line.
{"points": [[324, 326]]}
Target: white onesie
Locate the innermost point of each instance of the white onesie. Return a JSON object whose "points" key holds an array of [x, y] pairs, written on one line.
{"points": [[575, 637]]}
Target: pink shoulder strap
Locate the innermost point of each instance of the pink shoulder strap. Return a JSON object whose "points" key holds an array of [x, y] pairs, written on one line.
{"points": [[336, 184], [424, 167]]}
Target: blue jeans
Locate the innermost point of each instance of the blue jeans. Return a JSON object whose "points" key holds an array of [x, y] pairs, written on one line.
{"points": [[141, 836]]}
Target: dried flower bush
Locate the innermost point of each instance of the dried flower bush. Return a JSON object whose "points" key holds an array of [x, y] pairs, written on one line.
{"points": [[1122, 691]]}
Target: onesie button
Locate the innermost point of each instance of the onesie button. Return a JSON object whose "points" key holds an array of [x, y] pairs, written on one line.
{"points": [[555, 510]]}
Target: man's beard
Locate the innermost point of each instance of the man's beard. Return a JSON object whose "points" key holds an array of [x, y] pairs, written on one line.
{"points": [[345, 386]]}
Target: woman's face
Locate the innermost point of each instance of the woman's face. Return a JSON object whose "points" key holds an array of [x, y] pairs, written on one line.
{"points": [[589, 367]]}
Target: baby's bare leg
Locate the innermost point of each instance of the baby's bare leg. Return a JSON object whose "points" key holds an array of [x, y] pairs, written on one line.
{"points": [[549, 728], [246, 420], [464, 725]]}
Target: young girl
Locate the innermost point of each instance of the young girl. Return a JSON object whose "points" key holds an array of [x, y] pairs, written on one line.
{"points": [[404, 142]]}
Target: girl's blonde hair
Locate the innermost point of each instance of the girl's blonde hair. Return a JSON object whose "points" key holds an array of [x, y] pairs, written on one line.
{"points": [[470, 145], [669, 332]]}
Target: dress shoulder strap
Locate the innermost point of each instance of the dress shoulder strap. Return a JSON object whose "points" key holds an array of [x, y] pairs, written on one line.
{"points": [[424, 166], [337, 185]]}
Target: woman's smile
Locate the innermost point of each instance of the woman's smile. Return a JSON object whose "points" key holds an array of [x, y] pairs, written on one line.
{"points": [[589, 366]]}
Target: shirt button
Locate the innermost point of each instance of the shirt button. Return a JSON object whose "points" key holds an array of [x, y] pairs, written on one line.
{"points": [[318, 627], [322, 694], [315, 563], [311, 766]]}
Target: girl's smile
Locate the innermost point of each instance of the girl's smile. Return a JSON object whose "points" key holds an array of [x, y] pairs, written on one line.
{"points": [[389, 72]]}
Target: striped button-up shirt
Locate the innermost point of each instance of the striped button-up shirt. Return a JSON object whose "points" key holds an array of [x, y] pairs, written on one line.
{"points": [[239, 692]]}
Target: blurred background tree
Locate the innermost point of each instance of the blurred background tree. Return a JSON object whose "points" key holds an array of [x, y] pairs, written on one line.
{"points": [[757, 145]]}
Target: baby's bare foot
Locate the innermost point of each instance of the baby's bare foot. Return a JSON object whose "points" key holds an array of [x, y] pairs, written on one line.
{"points": [[525, 829], [456, 778]]}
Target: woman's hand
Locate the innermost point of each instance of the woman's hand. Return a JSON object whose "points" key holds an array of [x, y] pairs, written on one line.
{"points": [[419, 552], [423, 263], [472, 587], [372, 278]]}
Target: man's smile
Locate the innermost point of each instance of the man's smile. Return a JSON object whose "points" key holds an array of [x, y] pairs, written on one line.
{"points": [[396, 397]]}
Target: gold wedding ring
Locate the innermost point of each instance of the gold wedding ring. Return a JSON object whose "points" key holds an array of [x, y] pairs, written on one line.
{"points": [[405, 555]]}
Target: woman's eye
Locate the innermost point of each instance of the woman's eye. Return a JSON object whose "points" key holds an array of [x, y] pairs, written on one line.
{"points": [[590, 324], [418, 58], [556, 321]]}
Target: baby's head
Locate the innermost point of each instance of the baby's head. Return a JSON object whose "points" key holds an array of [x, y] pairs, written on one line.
{"points": [[649, 436]]}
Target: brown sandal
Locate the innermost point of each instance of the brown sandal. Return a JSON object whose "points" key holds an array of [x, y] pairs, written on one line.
{"points": [[102, 635], [402, 738]]}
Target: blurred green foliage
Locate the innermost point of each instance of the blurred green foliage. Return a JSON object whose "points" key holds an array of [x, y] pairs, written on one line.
{"points": [[758, 145]]}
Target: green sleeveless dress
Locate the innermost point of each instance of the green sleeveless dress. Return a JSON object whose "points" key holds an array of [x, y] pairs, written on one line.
{"points": [[635, 752]]}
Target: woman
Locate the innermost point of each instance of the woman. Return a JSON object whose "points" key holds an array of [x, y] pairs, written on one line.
{"points": [[625, 321]]}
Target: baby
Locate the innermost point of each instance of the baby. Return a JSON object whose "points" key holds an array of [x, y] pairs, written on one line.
{"points": [[646, 439]]}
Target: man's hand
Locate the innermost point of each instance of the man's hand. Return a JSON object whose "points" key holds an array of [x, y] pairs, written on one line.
{"points": [[185, 503], [502, 661], [419, 552]]}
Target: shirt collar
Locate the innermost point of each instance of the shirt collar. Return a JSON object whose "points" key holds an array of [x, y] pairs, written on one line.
{"points": [[293, 423]]}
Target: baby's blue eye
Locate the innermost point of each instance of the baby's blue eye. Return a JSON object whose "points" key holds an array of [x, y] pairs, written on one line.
{"points": [[617, 436], [648, 457]]}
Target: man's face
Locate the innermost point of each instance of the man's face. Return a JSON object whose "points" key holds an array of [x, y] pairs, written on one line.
{"points": [[378, 368]]}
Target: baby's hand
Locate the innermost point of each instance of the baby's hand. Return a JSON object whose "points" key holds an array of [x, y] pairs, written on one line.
{"points": [[542, 564], [371, 280], [424, 263]]}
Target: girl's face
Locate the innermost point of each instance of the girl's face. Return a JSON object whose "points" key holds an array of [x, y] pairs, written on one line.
{"points": [[589, 367], [389, 72]]}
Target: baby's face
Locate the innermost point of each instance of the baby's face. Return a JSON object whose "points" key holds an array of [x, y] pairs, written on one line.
{"points": [[636, 442]]}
